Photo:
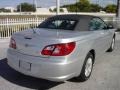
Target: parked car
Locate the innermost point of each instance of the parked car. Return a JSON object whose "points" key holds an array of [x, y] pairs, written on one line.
{"points": [[62, 47]]}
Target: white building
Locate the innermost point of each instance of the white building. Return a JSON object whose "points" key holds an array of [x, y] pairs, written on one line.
{"points": [[42, 10], [52, 7], [64, 9], [12, 9]]}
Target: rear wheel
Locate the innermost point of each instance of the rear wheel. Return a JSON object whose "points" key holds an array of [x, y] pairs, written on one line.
{"points": [[87, 68], [112, 45]]}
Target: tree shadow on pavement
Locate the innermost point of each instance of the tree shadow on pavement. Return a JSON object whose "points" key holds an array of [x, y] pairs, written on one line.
{"points": [[25, 81]]}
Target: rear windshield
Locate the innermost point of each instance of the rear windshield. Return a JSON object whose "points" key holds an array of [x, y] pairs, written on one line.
{"points": [[58, 24]]}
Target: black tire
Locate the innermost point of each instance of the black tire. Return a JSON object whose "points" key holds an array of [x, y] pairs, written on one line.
{"points": [[112, 46], [83, 77]]}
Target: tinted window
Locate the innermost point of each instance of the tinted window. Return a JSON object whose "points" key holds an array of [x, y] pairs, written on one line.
{"points": [[59, 24], [97, 24]]}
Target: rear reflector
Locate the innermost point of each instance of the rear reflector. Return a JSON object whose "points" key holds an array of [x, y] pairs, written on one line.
{"points": [[59, 49]]}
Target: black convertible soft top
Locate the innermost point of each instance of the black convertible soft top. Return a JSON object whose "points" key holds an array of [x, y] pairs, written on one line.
{"points": [[82, 21], [72, 16]]}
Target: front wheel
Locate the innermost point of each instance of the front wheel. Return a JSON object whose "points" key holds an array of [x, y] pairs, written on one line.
{"points": [[87, 68]]}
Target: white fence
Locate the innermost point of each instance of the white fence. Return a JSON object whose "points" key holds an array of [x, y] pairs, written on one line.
{"points": [[9, 26]]}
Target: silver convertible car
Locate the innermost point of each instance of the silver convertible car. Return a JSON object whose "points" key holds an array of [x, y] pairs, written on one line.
{"points": [[61, 47]]}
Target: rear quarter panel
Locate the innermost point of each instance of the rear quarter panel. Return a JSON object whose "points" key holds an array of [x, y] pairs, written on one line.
{"points": [[90, 42]]}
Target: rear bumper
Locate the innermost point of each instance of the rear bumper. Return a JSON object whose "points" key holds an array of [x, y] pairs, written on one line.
{"points": [[42, 68]]}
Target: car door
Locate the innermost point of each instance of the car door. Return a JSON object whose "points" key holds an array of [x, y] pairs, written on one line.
{"points": [[100, 40], [108, 33]]}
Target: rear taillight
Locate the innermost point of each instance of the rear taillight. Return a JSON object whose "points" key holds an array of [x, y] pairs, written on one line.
{"points": [[59, 49], [12, 43]]}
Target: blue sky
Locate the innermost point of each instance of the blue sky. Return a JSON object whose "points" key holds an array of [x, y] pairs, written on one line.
{"points": [[47, 3]]}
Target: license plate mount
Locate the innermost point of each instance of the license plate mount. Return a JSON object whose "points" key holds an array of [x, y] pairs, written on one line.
{"points": [[25, 65]]}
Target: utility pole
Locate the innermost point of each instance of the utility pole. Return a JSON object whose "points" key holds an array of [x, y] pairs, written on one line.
{"points": [[118, 8], [118, 14], [77, 6], [20, 8], [35, 3], [58, 6]]}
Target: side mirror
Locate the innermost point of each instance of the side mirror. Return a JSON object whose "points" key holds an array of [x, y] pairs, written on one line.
{"points": [[110, 27]]}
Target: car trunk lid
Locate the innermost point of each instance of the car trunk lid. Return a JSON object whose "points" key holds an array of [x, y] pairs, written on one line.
{"points": [[33, 42]]}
